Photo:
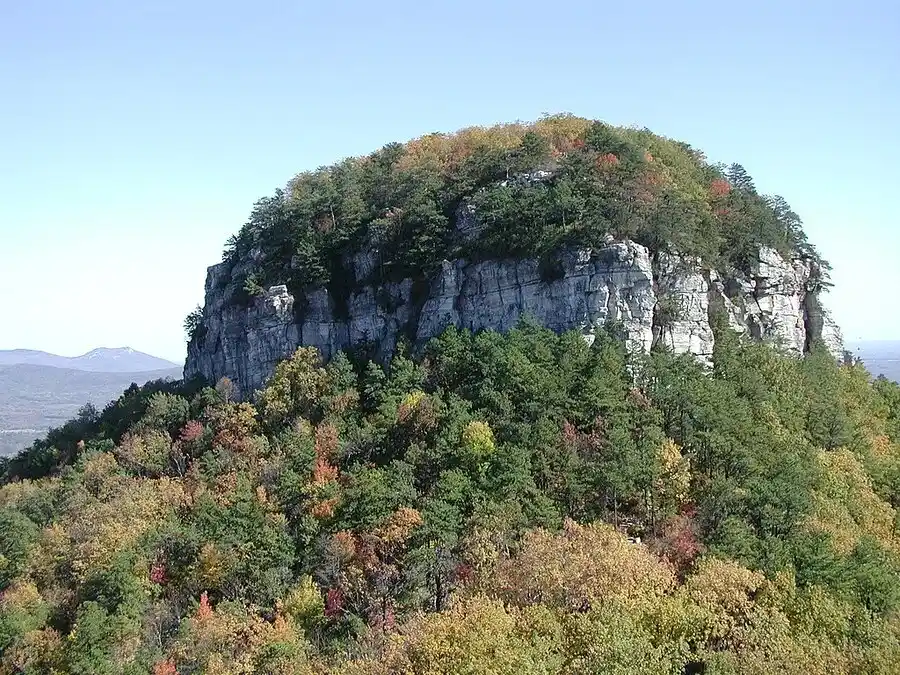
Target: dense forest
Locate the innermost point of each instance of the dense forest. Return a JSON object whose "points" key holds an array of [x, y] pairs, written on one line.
{"points": [[520, 503], [507, 504], [532, 188]]}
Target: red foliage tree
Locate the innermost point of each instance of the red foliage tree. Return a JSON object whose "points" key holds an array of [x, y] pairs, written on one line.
{"points": [[679, 539], [158, 573], [164, 667], [582, 443], [326, 447], [463, 573], [326, 440], [323, 509], [204, 611], [720, 187], [570, 434], [606, 161], [191, 432], [323, 472], [382, 619], [334, 602]]}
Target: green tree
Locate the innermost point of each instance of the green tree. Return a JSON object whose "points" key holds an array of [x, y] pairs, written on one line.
{"points": [[18, 534]]}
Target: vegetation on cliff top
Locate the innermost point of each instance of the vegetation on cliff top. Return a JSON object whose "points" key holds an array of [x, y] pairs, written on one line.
{"points": [[467, 511], [562, 180]]}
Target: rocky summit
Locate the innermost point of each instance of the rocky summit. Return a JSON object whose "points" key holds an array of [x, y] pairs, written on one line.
{"points": [[569, 221]]}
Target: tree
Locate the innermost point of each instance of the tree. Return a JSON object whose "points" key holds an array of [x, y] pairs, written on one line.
{"points": [[17, 535], [192, 323], [94, 637], [578, 569], [295, 389], [479, 505], [739, 178]]}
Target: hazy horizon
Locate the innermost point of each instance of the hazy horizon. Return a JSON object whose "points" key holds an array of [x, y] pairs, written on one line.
{"points": [[85, 353]]}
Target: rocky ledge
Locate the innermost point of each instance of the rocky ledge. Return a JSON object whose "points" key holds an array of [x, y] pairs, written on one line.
{"points": [[663, 299]]}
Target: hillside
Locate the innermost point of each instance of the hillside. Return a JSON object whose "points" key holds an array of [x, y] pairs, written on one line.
{"points": [[34, 398], [101, 360], [549, 398], [481, 505]]}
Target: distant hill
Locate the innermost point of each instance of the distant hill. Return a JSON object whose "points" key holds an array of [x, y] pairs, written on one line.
{"points": [[101, 360], [881, 357], [34, 398]]}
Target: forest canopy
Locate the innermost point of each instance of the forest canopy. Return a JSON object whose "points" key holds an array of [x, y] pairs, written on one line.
{"points": [[500, 503], [533, 189]]}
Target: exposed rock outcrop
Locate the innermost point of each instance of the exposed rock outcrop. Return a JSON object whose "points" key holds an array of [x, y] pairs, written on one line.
{"points": [[666, 300], [614, 283], [682, 307], [774, 307], [832, 337]]}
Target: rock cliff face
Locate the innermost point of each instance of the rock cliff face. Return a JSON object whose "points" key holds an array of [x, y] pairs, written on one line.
{"points": [[663, 299]]}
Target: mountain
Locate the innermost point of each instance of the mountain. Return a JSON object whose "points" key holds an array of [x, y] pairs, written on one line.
{"points": [[881, 357], [101, 360], [34, 398], [570, 221], [39, 390]]}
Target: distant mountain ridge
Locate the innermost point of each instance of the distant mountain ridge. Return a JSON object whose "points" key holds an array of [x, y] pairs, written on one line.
{"points": [[39, 390], [34, 398], [100, 360]]}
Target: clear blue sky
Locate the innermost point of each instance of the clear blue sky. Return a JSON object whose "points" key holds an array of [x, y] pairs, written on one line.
{"points": [[134, 140]]}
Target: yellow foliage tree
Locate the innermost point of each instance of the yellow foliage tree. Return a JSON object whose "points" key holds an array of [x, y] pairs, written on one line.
{"points": [[295, 389], [846, 506], [233, 641], [303, 604], [584, 566], [145, 453], [674, 481], [92, 529], [39, 651], [478, 440], [475, 636]]}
